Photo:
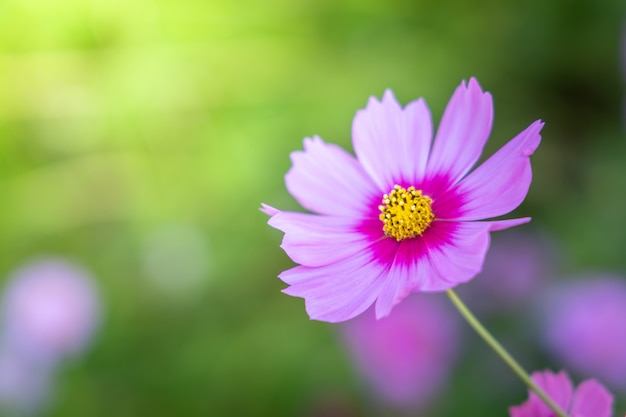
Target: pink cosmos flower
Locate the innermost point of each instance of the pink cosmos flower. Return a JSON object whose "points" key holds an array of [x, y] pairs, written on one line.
{"points": [[405, 357], [590, 399], [583, 325], [403, 216]]}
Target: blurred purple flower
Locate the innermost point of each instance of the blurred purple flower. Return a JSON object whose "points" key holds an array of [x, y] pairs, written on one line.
{"points": [[517, 264], [590, 399], [584, 327], [24, 385], [49, 310], [406, 356], [408, 214]]}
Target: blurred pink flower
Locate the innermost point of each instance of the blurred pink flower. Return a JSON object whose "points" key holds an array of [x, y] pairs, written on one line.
{"points": [[517, 265], [405, 357], [584, 327], [590, 399], [403, 216], [49, 310]]}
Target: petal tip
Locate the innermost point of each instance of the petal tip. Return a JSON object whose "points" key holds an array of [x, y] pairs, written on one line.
{"points": [[371, 102], [473, 84], [381, 314], [286, 290], [269, 210], [474, 90], [389, 96], [533, 139], [497, 225], [312, 141]]}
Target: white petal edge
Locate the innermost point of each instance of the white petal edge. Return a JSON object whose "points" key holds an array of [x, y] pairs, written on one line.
{"points": [[326, 179]]}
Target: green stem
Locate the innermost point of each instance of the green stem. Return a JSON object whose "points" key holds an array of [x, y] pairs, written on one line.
{"points": [[499, 349]]}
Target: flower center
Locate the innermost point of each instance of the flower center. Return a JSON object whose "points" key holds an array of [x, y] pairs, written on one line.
{"points": [[405, 213]]}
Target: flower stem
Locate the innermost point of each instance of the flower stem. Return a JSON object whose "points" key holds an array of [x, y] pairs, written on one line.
{"points": [[506, 357]]}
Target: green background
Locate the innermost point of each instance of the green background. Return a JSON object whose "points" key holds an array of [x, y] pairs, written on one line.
{"points": [[122, 119]]}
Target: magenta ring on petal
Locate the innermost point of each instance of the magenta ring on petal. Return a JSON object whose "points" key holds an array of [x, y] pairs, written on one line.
{"points": [[407, 213]]}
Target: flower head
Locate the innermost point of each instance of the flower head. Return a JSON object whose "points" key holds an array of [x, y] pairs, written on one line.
{"points": [[406, 356], [403, 215], [584, 326], [590, 399]]}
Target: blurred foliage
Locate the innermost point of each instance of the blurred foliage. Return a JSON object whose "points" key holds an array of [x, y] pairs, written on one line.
{"points": [[118, 119]]}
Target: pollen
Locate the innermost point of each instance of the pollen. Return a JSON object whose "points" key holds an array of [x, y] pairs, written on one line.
{"points": [[405, 213]]}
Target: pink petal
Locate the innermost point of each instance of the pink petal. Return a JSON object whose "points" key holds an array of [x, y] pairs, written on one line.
{"points": [[529, 409], [328, 180], [392, 144], [462, 133], [456, 252], [339, 291], [500, 184], [448, 254], [592, 400], [408, 266], [557, 386], [314, 240], [498, 225]]}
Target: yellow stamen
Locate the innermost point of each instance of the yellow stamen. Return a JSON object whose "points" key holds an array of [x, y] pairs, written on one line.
{"points": [[405, 213]]}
